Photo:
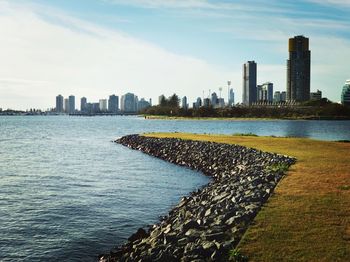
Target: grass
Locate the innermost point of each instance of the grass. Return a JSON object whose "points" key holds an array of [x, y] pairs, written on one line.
{"points": [[308, 217], [161, 117]]}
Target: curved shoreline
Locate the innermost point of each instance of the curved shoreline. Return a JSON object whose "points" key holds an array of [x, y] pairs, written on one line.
{"points": [[210, 221]]}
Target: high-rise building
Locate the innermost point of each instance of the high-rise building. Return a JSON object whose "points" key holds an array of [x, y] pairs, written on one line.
{"points": [[277, 97], [249, 83], [59, 104], [128, 103], [142, 104], [184, 104], [66, 105], [113, 104], [265, 92], [298, 69], [316, 95], [103, 105], [83, 102], [214, 99], [206, 102], [198, 103], [231, 100], [345, 94], [71, 104], [283, 96]]}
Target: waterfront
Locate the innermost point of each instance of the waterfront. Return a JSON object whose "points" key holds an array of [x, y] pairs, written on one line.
{"points": [[68, 193]]}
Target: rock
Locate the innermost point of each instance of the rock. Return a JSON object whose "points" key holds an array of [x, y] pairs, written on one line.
{"points": [[141, 233], [197, 228]]}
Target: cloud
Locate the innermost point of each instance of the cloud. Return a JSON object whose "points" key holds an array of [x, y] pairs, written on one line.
{"points": [[334, 3], [63, 55]]}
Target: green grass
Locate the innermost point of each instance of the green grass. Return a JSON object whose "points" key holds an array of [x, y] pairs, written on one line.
{"points": [[308, 216]]}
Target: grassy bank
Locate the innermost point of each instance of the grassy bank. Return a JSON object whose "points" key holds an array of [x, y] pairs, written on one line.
{"points": [[155, 117], [308, 217]]}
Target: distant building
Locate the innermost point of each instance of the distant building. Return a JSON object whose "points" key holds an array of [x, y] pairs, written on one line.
{"points": [[59, 104], [283, 96], [316, 95], [249, 83], [184, 104], [214, 99], [298, 69], [265, 92], [279, 96], [206, 102], [142, 104], [345, 94], [66, 105], [71, 109], [113, 104], [220, 103], [198, 103], [128, 103], [83, 102], [231, 101], [103, 105]]}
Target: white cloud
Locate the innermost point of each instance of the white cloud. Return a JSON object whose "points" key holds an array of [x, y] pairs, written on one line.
{"points": [[40, 59]]}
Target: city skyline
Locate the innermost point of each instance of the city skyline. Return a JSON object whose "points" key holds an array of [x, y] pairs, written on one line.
{"points": [[95, 48]]}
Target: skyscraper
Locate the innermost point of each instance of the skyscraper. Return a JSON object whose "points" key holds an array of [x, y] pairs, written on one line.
{"points": [[59, 104], [184, 103], [71, 109], [103, 105], [66, 105], [83, 102], [298, 69], [113, 104], [249, 83], [231, 101], [128, 103]]}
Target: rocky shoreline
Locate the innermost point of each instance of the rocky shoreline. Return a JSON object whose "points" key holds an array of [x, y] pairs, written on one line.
{"points": [[209, 222]]}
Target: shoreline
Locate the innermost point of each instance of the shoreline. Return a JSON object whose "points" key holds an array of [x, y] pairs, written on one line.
{"points": [[309, 118], [209, 222]]}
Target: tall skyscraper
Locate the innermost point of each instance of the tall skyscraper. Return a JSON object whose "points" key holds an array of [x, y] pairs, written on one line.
{"points": [[113, 104], [83, 104], [66, 105], [103, 105], [71, 109], [249, 83], [128, 103], [59, 104], [231, 101], [298, 69], [214, 99], [184, 103]]}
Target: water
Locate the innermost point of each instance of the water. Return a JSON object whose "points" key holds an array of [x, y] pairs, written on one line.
{"points": [[68, 193]]}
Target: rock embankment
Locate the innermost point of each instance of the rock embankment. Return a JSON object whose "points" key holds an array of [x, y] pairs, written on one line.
{"points": [[209, 222]]}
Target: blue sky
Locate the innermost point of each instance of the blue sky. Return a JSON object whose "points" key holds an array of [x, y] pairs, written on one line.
{"points": [[94, 48]]}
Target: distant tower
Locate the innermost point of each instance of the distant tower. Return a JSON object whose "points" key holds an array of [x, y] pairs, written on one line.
{"points": [[71, 104], [249, 83], [113, 104], [59, 104], [228, 92], [83, 102], [298, 69], [184, 103]]}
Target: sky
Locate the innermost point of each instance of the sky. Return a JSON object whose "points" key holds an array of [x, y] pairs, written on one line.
{"points": [[95, 48]]}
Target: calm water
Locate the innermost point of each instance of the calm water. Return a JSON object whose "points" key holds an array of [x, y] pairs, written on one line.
{"points": [[68, 193]]}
